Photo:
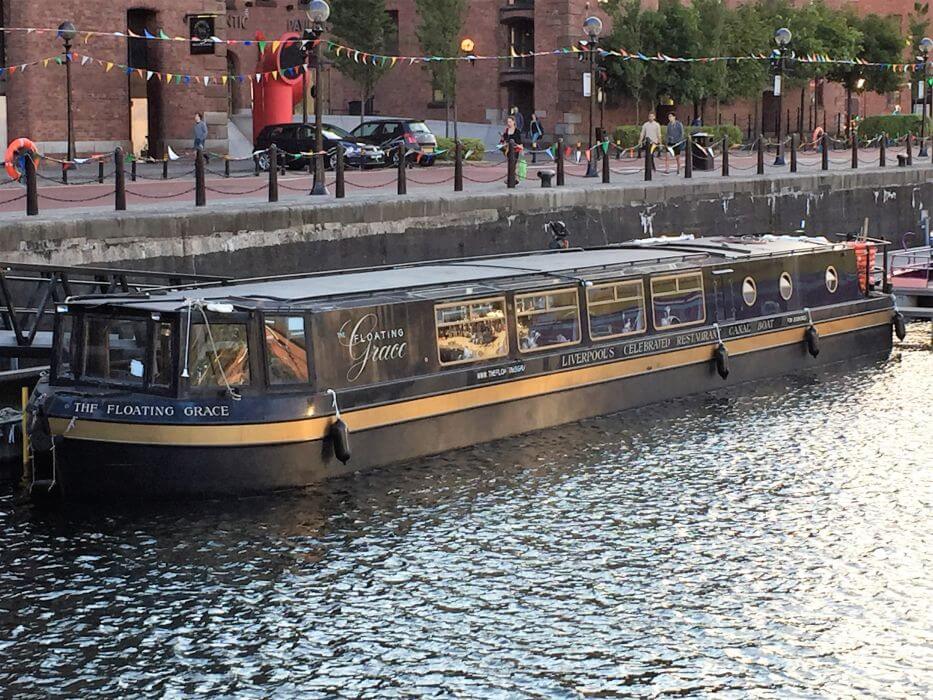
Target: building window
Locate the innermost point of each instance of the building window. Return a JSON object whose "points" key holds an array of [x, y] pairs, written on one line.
{"points": [[217, 354], [786, 286], [470, 331], [832, 279], [678, 300], [749, 291], [286, 350], [616, 309], [547, 319]]}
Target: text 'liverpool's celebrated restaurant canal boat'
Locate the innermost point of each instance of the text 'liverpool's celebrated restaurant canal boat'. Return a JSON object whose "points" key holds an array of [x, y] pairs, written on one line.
{"points": [[270, 383]]}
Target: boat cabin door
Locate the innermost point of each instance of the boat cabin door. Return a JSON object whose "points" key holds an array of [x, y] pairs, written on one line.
{"points": [[723, 295]]}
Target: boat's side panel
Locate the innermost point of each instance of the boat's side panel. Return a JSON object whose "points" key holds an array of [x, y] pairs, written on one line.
{"points": [[89, 468]]}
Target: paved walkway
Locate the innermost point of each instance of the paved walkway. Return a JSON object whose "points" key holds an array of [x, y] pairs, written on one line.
{"points": [[152, 194]]}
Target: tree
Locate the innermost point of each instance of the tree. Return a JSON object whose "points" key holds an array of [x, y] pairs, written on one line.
{"points": [[635, 30], [439, 33], [363, 25]]}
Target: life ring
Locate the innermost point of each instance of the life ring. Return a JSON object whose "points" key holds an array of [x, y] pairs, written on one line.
{"points": [[12, 151]]}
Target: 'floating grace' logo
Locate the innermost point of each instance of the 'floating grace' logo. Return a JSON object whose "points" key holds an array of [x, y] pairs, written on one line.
{"points": [[367, 344]]}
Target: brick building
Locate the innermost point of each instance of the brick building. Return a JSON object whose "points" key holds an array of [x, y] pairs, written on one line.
{"points": [[112, 108]]}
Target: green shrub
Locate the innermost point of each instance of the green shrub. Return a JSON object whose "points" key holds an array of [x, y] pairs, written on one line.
{"points": [[893, 125], [447, 145], [628, 134]]}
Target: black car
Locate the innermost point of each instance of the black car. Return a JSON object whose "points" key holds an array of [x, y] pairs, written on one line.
{"points": [[299, 138], [389, 133]]}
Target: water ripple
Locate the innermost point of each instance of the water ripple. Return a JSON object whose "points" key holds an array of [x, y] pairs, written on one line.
{"points": [[770, 540]]}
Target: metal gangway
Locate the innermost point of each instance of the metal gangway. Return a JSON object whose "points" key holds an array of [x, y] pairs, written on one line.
{"points": [[29, 293]]}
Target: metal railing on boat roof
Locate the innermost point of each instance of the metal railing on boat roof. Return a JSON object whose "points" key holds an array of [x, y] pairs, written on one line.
{"points": [[29, 292]]}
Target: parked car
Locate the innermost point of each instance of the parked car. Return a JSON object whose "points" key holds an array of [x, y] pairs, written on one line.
{"points": [[389, 133], [299, 138]]}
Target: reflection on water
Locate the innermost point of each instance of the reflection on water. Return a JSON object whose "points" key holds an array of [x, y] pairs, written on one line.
{"points": [[770, 540]]}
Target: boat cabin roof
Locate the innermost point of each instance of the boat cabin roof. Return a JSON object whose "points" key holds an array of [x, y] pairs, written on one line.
{"points": [[467, 276]]}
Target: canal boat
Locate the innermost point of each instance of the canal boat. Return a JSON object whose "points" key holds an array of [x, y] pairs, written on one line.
{"points": [[261, 384]]}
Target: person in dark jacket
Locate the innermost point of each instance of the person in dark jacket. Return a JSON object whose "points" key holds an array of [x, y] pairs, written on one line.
{"points": [[511, 133], [560, 239], [674, 141], [200, 134]]}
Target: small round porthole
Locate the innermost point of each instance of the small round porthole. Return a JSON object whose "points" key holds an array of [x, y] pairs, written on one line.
{"points": [[749, 291], [832, 279], [786, 286]]}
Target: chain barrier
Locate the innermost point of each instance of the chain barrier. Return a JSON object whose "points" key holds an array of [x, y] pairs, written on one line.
{"points": [[158, 196], [14, 199], [253, 191], [140, 176], [348, 181], [108, 193]]}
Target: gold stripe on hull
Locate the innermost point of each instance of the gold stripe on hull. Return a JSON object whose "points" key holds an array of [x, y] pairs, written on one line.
{"points": [[430, 406]]}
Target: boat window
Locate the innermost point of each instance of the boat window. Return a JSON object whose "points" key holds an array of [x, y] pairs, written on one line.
{"points": [[547, 319], [749, 291], [616, 309], [832, 279], [286, 350], [678, 300], [786, 286], [470, 331], [217, 351], [115, 349], [163, 365], [64, 349]]}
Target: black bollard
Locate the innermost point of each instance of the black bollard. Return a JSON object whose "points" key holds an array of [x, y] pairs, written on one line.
{"points": [[793, 153], [761, 155], [510, 179], [458, 167], [725, 156], [910, 150], [824, 142], [881, 150], [165, 167], [534, 154], [200, 194], [273, 173], [605, 147], [100, 171], [226, 167], [32, 192], [119, 178], [688, 163], [65, 172], [649, 163], [340, 185], [854, 138], [256, 168], [133, 170], [402, 164], [560, 162]]}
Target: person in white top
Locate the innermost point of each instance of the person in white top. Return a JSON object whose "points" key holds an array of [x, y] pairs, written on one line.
{"points": [[650, 132]]}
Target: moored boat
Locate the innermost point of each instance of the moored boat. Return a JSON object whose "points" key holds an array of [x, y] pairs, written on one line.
{"points": [[279, 382]]}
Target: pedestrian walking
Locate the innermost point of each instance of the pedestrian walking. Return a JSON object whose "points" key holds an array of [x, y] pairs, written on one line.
{"points": [[536, 129], [200, 135], [519, 119], [674, 140], [650, 136]]}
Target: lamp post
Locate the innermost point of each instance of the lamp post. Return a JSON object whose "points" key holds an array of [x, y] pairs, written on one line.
{"points": [[67, 33], [318, 12], [467, 47], [592, 26], [926, 45], [782, 38]]}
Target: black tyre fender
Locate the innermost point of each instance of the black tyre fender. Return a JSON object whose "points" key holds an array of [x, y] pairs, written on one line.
{"points": [[721, 357], [811, 338], [900, 325], [340, 440]]}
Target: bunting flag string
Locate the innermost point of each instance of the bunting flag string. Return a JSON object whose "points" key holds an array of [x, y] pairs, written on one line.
{"points": [[388, 61]]}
